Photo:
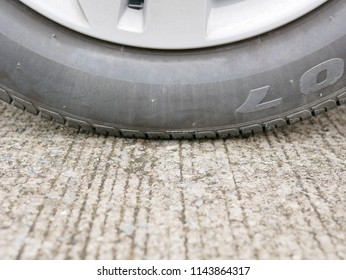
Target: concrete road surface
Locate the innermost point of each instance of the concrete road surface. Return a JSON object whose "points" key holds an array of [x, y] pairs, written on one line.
{"points": [[69, 195]]}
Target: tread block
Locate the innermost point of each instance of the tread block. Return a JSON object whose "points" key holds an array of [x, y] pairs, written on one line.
{"points": [[52, 116], [274, 124], [158, 135], [4, 96], [228, 133], [106, 130], [205, 135], [82, 125], [24, 105], [319, 111], [18, 105], [132, 133], [300, 116], [324, 107], [251, 129], [182, 135], [46, 116], [342, 99]]}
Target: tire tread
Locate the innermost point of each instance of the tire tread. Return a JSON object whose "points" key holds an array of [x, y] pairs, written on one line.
{"points": [[11, 97]]}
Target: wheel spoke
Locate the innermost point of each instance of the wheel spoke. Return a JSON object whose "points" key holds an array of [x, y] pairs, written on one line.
{"points": [[105, 14], [177, 20], [67, 12]]}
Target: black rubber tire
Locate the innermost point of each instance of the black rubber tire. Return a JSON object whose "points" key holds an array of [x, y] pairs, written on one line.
{"points": [[276, 79]]}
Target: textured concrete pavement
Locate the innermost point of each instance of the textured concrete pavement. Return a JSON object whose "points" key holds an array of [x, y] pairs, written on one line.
{"points": [[68, 195]]}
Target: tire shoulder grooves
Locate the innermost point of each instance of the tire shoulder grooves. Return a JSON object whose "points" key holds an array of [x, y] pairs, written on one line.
{"points": [[14, 98]]}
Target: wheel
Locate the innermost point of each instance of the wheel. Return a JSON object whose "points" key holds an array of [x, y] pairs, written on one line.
{"points": [[173, 69]]}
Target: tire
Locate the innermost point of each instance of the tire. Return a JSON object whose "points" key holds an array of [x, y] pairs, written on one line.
{"points": [[279, 78]]}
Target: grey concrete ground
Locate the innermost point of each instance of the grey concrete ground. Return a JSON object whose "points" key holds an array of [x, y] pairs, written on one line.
{"points": [[68, 195]]}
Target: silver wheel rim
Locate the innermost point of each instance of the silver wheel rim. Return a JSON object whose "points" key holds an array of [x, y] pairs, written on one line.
{"points": [[173, 24]]}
